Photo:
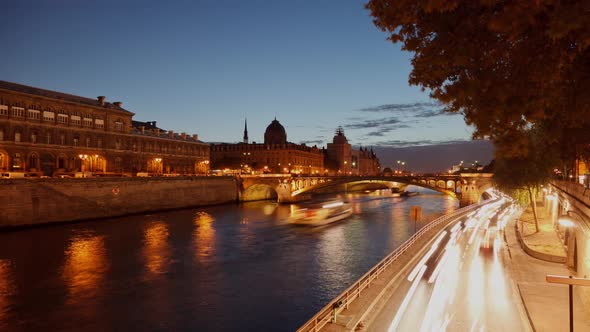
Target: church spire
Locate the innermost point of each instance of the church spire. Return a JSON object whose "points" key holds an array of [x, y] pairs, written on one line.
{"points": [[246, 131]]}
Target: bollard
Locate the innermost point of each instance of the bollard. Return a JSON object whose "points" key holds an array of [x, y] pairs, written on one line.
{"points": [[335, 306]]}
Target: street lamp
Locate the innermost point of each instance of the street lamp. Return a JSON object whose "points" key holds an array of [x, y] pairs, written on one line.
{"points": [[83, 158]]}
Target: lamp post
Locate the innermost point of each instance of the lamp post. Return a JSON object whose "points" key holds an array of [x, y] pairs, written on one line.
{"points": [[83, 158], [570, 281], [158, 164]]}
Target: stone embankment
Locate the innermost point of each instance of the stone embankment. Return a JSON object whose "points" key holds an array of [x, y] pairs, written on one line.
{"points": [[40, 201]]}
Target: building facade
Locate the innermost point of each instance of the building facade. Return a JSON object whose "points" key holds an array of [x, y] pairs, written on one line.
{"points": [[275, 155], [49, 133], [342, 159]]}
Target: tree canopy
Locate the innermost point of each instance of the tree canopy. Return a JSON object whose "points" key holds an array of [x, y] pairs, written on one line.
{"points": [[507, 66]]}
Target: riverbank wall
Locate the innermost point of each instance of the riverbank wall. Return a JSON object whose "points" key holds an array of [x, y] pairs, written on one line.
{"points": [[41, 201]]}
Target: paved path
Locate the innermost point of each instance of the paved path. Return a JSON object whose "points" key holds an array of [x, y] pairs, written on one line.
{"points": [[546, 304]]}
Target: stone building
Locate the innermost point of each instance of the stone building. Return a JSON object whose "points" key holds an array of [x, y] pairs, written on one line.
{"points": [[49, 133], [275, 155], [342, 159]]}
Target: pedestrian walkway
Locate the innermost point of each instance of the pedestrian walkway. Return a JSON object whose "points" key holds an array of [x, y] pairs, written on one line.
{"points": [[546, 304]]}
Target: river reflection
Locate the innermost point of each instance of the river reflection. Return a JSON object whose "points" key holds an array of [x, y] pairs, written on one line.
{"points": [[203, 237], [6, 287], [156, 250], [85, 266], [221, 268]]}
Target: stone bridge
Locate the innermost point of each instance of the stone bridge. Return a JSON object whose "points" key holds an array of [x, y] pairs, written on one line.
{"points": [[467, 187]]}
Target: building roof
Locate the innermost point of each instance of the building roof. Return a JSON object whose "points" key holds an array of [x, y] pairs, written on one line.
{"points": [[275, 133], [58, 95]]}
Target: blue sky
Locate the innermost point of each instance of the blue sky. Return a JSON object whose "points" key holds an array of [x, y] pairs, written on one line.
{"points": [[202, 66]]}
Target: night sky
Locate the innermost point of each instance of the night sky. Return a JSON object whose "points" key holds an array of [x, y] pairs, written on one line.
{"points": [[203, 66]]}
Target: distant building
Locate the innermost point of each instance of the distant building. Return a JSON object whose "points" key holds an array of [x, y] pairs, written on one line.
{"points": [[47, 133], [275, 155], [342, 159]]}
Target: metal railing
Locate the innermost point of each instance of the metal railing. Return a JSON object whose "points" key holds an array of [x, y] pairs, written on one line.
{"points": [[324, 316]]}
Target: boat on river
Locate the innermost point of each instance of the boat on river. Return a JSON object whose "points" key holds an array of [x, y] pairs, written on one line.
{"points": [[321, 214]]}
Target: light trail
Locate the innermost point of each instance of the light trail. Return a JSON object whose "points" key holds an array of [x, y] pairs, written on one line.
{"points": [[406, 301], [426, 257]]}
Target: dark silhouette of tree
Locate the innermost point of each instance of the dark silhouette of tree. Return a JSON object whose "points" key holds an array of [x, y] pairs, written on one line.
{"points": [[507, 66]]}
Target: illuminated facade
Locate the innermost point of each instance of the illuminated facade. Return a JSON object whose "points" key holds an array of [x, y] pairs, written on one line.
{"points": [[275, 155], [50, 133]]}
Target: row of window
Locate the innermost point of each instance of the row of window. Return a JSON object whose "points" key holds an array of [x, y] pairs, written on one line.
{"points": [[147, 147], [62, 118]]}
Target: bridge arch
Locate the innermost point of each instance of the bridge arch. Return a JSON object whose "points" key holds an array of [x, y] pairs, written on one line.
{"points": [[258, 192]]}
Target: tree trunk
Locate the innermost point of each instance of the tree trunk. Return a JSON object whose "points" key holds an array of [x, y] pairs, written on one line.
{"points": [[534, 204]]}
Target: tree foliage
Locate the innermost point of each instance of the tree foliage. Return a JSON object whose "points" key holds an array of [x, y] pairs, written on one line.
{"points": [[523, 175], [507, 66]]}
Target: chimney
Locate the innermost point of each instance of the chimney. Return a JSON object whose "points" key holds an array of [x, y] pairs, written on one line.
{"points": [[142, 130], [195, 137], [171, 134], [183, 135], [101, 100], [118, 104]]}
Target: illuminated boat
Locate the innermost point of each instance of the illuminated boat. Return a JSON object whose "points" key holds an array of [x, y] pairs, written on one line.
{"points": [[322, 214]]}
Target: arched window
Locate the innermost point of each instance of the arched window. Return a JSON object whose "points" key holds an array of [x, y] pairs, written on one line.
{"points": [[17, 162], [118, 164], [33, 162]]}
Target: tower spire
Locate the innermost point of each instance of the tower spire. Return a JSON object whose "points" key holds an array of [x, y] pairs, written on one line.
{"points": [[246, 131]]}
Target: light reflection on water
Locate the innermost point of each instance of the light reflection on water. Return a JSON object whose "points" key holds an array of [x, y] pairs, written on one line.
{"points": [[156, 250], [203, 237], [85, 266], [221, 268], [6, 287]]}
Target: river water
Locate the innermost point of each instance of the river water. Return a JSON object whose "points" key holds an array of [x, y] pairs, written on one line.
{"points": [[222, 268]]}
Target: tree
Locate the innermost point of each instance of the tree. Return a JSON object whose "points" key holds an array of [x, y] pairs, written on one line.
{"points": [[505, 65], [526, 173]]}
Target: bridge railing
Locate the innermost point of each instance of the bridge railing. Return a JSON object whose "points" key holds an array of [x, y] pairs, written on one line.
{"points": [[324, 316]]}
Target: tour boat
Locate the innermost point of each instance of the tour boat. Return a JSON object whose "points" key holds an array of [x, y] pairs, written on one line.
{"points": [[322, 214]]}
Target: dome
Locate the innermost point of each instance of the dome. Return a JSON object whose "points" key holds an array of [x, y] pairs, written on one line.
{"points": [[275, 133], [339, 137]]}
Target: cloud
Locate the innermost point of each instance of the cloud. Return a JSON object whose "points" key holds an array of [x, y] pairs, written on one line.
{"points": [[373, 123], [417, 110], [312, 142], [405, 144]]}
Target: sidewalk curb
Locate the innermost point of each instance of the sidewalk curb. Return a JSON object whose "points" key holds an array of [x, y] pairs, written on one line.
{"points": [[534, 253]]}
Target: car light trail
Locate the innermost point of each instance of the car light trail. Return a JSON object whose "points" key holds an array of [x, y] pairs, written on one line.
{"points": [[406, 301], [426, 257]]}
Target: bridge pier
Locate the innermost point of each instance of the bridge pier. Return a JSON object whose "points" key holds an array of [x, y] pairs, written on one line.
{"points": [[473, 186]]}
